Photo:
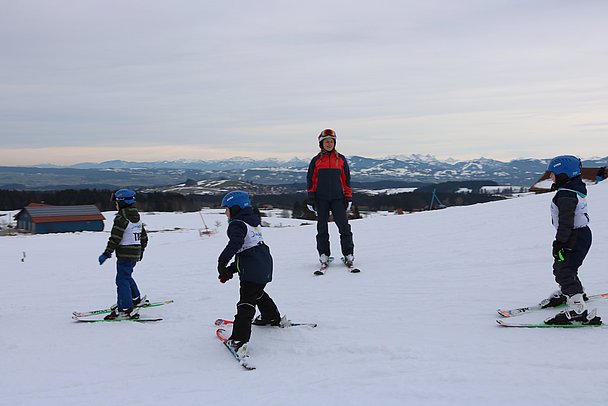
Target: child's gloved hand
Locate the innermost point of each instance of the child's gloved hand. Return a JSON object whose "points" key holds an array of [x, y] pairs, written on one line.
{"points": [[105, 256], [227, 272], [224, 273], [232, 268], [225, 277], [560, 251]]}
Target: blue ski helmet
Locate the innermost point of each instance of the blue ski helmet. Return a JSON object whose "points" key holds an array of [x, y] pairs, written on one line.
{"points": [[236, 198], [126, 196], [566, 164]]}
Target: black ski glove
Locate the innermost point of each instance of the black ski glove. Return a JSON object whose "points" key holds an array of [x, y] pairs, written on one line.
{"points": [[348, 202], [224, 273], [311, 202], [311, 205]]}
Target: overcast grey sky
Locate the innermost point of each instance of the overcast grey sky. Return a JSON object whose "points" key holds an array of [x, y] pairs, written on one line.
{"points": [[95, 80]]}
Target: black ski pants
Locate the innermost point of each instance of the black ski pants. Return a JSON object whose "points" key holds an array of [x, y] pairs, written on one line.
{"points": [[339, 212], [251, 295], [566, 272]]}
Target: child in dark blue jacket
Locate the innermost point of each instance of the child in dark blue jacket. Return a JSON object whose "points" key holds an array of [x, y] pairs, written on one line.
{"points": [[253, 263], [572, 240]]}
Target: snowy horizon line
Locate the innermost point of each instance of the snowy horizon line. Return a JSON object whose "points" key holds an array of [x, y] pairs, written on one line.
{"points": [[419, 157]]}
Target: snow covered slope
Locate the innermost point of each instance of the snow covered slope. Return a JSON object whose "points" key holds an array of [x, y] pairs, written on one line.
{"points": [[416, 327]]}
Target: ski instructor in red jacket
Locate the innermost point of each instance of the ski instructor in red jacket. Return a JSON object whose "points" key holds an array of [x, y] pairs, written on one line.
{"points": [[328, 183]]}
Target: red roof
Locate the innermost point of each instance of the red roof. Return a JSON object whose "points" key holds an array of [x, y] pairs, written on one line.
{"points": [[543, 184], [61, 219], [59, 214]]}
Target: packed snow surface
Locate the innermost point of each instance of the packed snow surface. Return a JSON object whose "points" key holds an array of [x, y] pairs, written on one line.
{"points": [[415, 327]]}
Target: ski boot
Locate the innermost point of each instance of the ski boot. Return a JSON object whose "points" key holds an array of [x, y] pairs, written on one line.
{"points": [[141, 301], [349, 260], [137, 302], [556, 298], [324, 260], [576, 312], [121, 314], [277, 322], [262, 321], [239, 347]]}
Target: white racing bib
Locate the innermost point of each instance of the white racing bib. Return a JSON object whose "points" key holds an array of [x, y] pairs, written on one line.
{"points": [[253, 237], [581, 218], [132, 234]]}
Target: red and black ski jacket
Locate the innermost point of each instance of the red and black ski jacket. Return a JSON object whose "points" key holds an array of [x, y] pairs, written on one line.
{"points": [[328, 177]]}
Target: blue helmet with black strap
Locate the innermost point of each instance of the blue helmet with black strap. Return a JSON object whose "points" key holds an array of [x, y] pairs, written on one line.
{"points": [[568, 165], [126, 196], [236, 198]]}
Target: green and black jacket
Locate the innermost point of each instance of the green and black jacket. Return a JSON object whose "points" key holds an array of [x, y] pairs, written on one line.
{"points": [[121, 222]]}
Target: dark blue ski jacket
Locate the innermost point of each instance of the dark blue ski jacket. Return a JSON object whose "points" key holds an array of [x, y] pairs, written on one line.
{"points": [[253, 264], [569, 210]]}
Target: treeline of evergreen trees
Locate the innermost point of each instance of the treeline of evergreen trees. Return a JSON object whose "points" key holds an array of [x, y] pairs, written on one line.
{"points": [[454, 186], [418, 200], [169, 202], [412, 201], [16, 200]]}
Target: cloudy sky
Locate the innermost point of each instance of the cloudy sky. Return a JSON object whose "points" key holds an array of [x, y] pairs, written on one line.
{"points": [[96, 80]]}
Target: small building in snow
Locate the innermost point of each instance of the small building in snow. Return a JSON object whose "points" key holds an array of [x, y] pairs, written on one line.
{"points": [[44, 218], [543, 184]]}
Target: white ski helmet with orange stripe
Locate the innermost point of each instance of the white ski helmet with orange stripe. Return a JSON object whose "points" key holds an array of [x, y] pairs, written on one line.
{"points": [[325, 134]]}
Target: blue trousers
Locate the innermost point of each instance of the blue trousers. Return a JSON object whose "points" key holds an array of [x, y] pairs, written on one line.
{"points": [[125, 284], [346, 236]]}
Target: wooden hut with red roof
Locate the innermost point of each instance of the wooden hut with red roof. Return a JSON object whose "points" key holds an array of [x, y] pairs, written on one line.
{"points": [[543, 184], [45, 218]]}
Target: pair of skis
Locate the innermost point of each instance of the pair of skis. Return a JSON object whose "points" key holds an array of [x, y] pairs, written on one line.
{"points": [[82, 317], [225, 322], [507, 313], [321, 271], [243, 358]]}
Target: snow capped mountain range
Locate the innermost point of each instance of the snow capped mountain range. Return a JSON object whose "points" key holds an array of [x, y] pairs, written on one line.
{"points": [[413, 169]]}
